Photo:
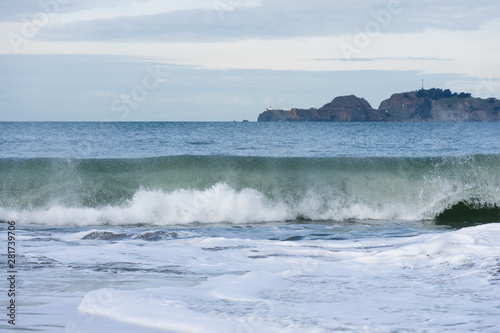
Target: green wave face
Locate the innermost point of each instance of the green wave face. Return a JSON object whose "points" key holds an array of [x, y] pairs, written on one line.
{"points": [[276, 188]]}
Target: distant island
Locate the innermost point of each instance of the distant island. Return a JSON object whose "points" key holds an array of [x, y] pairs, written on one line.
{"points": [[421, 105]]}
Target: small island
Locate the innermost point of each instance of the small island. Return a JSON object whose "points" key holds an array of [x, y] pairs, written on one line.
{"points": [[420, 106]]}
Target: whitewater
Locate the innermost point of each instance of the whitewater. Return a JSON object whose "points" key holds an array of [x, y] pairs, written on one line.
{"points": [[253, 227], [187, 189]]}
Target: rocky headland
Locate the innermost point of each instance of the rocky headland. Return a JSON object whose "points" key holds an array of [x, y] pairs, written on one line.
{"points": [[422, 105]]}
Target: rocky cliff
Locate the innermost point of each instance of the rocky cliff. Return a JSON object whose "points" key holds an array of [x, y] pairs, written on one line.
{"points": [[422, 105]]}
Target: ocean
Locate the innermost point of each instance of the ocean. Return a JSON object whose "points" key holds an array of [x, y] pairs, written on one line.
{"points": [[251, 227]]}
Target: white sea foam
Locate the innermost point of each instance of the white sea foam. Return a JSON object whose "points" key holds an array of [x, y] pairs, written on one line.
{"points": [[273, 286]]}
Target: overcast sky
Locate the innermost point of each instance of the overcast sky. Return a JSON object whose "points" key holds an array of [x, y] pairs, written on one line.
{"points": [[224, 60]]}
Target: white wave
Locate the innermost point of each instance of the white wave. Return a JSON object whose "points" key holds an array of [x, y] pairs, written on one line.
{"points": [[223, 204], [220, 203]]}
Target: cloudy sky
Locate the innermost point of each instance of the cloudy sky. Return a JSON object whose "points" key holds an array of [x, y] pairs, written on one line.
{"points": [[224, 60]]}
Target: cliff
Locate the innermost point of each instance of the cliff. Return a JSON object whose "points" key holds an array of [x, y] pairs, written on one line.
{"points": [[422, 105]]}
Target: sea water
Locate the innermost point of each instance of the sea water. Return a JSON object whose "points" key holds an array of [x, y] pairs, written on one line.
{"points": [[253, 227]]}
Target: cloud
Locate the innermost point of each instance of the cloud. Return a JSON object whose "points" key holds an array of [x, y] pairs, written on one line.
{"points": [[24, 10], [274, 19], [385, 59]]}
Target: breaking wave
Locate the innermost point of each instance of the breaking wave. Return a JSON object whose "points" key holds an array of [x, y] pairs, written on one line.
{"points": [[224, 189]]}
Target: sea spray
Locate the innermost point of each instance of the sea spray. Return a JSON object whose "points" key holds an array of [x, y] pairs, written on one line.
{"points": [[186, 189]]}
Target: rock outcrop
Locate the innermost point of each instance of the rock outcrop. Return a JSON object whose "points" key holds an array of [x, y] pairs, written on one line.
{"points": [[422, 105]]}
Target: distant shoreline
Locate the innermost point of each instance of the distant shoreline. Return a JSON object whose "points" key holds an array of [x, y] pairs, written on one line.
{"points": [[415, 106]]}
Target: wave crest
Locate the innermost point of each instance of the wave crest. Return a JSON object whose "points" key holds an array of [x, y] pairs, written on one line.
{"points": [[188, 189]]}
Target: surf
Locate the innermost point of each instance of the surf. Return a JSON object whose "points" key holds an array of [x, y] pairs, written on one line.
{"points": [[238, 189]]}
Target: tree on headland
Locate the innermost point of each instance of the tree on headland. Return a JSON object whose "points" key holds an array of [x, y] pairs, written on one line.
{"points": [[436, 94]]}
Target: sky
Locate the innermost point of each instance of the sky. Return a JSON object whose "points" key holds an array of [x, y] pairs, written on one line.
{"points": [[227, 60]]}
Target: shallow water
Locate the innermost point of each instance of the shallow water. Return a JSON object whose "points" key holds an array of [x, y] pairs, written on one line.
{"points": [[352, 276]]}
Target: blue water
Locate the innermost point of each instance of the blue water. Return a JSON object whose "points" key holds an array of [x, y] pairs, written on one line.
{"points": [[133, 140], [253, 227]]}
